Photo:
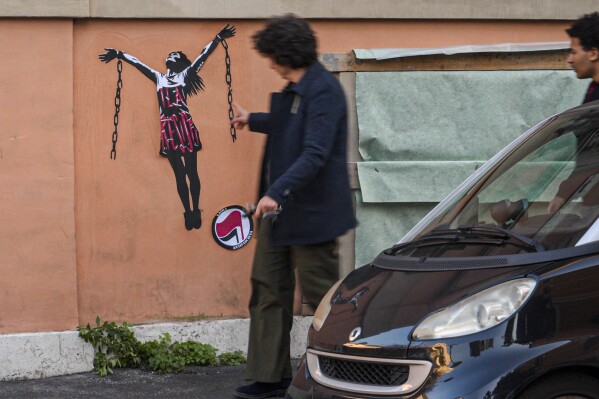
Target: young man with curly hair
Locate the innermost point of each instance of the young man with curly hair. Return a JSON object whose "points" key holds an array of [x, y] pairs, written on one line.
{"points": [[584, 52], [305, 198]]}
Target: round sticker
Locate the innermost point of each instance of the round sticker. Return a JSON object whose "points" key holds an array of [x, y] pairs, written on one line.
{"points": [[232, 227]]}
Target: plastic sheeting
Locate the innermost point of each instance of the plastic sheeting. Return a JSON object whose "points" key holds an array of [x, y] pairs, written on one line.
{"points": [[394, 181], [387, 53], [421, 133]]}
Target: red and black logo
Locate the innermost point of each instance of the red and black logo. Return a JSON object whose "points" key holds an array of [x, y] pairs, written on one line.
{"points": [[232, 227]]}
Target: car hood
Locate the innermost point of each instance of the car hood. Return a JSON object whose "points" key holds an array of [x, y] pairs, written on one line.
{"points": [[386, 305]]}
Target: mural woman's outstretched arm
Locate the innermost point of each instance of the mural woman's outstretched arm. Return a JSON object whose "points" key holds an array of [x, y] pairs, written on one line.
{"points": [[225, 33], [111, 54]]}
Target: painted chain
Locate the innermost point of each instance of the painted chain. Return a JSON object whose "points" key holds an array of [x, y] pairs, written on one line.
{"points": [[117, 106], [228, 79]]}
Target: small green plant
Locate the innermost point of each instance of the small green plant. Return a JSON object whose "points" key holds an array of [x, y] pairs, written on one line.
{"points": [[116, 346], [161, 357], [231, 358], [195, 353]]}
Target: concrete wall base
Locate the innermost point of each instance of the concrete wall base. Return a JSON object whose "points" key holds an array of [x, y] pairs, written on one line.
{"points": [[40, 355]]}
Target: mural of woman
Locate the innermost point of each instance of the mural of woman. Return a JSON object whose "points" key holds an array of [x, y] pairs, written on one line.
{"points": [[180, 138]]}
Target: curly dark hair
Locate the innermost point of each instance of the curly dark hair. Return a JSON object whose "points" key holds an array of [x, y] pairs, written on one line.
{"points": [[586, 29], [288, 40]]}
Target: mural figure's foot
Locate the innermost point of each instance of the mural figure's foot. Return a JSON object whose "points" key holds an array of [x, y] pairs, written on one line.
{"points": [[188, 215], [197, 219]]}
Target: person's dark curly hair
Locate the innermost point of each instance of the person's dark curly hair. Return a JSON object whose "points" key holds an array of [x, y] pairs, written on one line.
{"points": [[586, 29], [288, 41]]}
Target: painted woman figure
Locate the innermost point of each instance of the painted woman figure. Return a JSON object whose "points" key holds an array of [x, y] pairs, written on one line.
{"points": [[180, 138]]}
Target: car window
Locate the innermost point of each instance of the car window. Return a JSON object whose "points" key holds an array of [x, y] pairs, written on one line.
{"points": [[546, 189]]}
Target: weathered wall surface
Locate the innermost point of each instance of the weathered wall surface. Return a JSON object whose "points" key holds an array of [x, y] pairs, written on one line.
{"points": [[84, 235], [38, 287]]}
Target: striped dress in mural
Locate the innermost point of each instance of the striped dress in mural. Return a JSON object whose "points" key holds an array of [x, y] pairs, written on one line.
{"points": [[178, 132]]}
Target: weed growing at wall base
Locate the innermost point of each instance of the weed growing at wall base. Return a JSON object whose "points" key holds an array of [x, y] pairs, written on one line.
{"points": [[116, 346]]}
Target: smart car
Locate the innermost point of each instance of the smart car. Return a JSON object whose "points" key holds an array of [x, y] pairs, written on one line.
{"points": [[493, 295]]}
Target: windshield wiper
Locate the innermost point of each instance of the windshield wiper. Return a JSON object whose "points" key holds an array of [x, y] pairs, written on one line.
{"points": [[503, 233], [470, 235]]}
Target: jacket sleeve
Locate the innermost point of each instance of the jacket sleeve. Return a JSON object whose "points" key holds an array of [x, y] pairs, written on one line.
{"points": [[259, 122], [324, 111]]}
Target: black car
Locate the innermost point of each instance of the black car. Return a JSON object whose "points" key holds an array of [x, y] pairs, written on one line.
{"points": [[493, 295]]}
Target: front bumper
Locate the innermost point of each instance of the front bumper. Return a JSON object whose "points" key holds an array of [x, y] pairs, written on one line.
{"points": [[364, 375], [305, 386], [483, 366]]}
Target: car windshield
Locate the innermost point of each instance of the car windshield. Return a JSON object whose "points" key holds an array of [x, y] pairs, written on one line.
{"points": [[546, 190]]}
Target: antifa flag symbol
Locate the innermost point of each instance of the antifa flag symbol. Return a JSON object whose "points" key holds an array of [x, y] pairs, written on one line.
{"points": [[230, 227]]}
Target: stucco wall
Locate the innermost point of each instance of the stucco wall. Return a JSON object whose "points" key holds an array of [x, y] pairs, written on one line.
{"points": [[131, 259], [38, 289]]}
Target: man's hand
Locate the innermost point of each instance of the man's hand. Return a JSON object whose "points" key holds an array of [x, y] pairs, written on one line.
{"points": [[109, 55], [227, 32], [266, 204], [241, 117]]}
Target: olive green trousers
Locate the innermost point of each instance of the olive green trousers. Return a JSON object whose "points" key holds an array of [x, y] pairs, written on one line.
{"points": [[271, 302]]}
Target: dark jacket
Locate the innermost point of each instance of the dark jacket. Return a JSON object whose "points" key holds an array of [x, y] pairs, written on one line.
{"points": [[305, 162], [592, 93], [586, 157]]}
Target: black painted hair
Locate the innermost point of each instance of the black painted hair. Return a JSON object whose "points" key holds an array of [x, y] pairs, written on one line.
{"points": [[194, 84], [586, 29], [288, 40]]}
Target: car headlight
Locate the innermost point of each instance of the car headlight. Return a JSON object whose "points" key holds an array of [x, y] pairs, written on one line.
{"points": [[478, 312], [324, 307]]}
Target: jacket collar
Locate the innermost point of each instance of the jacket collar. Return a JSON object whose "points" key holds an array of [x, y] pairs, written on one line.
{"points": [[302, 86]]}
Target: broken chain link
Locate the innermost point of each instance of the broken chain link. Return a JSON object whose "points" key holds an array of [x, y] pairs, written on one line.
{"points": [[117, 106], [228, 79]]}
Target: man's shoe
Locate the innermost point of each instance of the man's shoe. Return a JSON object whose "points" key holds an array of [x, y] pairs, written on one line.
{"points": [[259, 390]]}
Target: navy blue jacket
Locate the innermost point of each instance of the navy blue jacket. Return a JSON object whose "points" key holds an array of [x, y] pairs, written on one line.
{"points": [[305, 162]]}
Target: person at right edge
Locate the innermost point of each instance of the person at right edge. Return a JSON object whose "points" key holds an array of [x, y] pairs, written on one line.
{"points": [[305, 182], [584, 59]]}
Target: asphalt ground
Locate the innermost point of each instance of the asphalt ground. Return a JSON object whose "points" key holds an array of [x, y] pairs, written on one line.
{"points": [[194, 382]]}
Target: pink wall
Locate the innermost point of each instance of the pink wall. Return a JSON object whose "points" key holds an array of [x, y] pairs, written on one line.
{"points": [[38, 284], [131, 258]]}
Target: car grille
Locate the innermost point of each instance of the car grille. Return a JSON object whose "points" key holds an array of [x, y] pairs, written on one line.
{"points": [[367, 375], [364, 372]]}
